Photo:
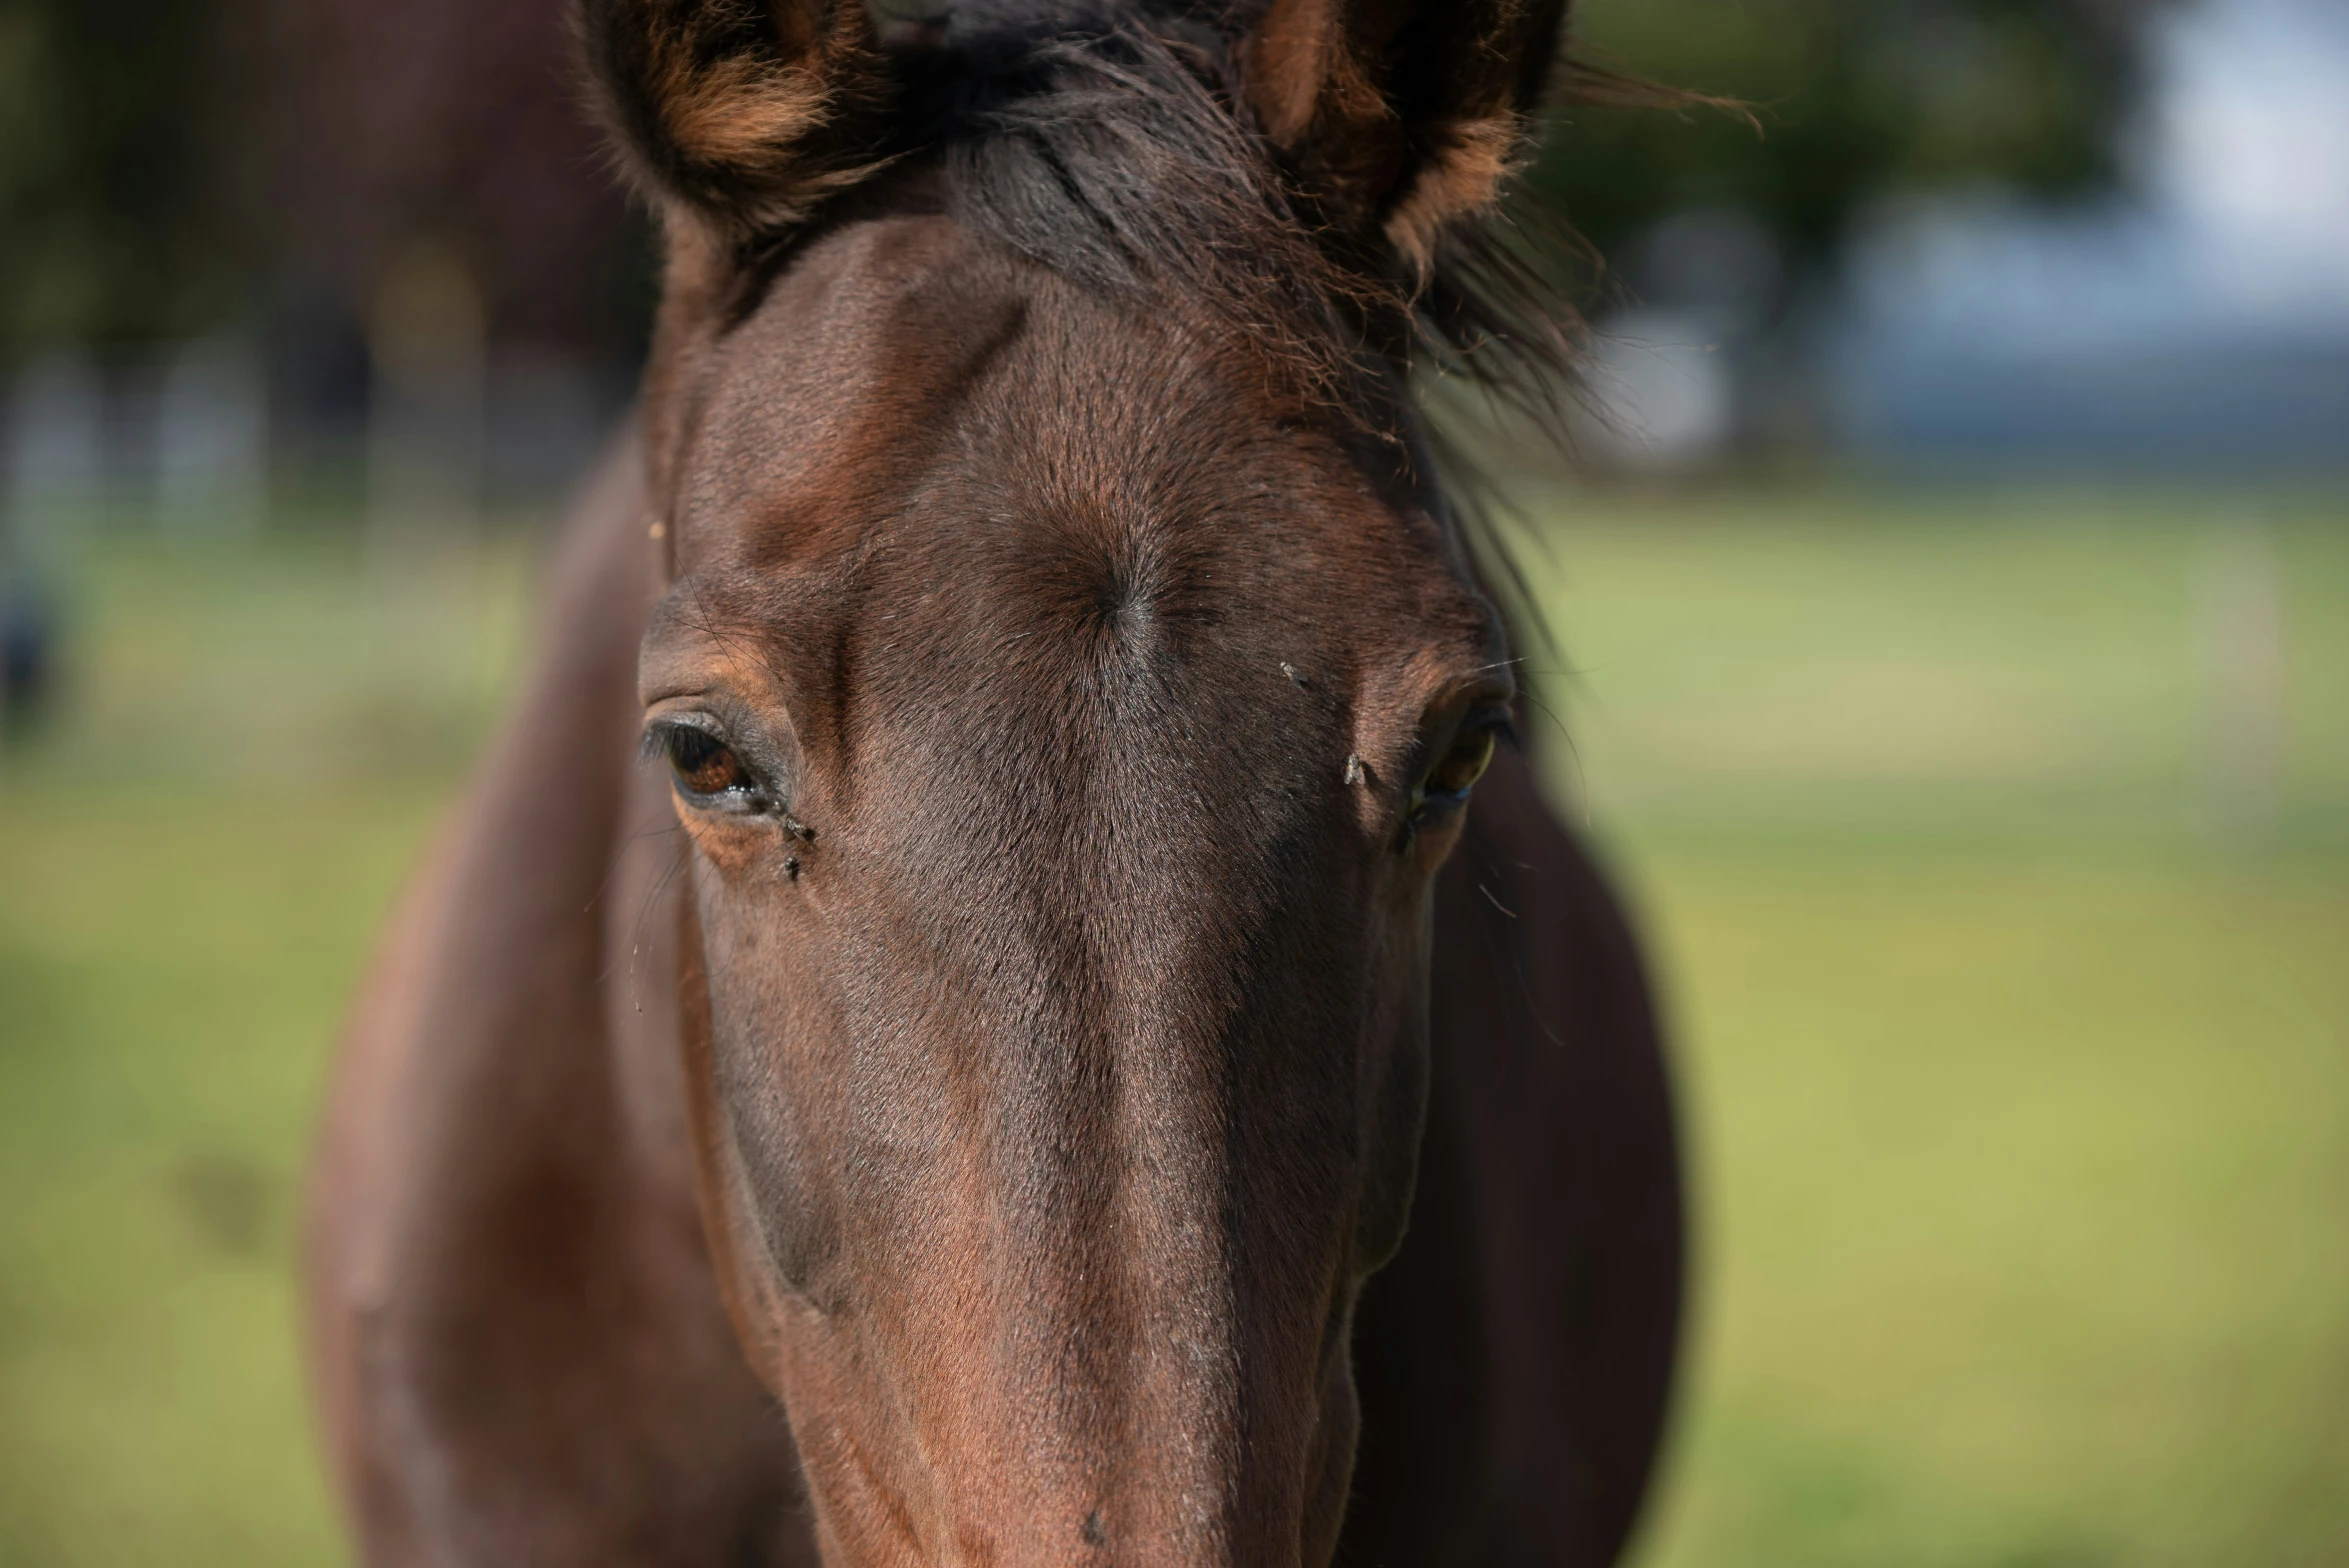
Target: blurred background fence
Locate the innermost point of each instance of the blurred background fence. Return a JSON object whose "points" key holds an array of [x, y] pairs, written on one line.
{"points": [[1951, 587]]}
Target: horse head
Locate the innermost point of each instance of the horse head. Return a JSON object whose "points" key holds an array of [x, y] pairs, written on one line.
{"points": [[1071, 683]]}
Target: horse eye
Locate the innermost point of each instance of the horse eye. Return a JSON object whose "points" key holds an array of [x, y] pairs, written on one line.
{"points": [[704, 765], [1463, 765]]}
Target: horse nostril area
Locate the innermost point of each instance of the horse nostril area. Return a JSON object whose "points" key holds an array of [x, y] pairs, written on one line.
{"points": [[1096, 1533]]}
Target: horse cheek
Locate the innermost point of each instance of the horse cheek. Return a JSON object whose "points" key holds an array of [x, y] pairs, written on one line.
{"points": [[763, 1223], [1395, 1063]]}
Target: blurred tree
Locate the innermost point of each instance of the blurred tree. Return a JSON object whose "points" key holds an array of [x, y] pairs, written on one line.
{"points": [[116, 220], [167, 166], [461, 126], [1853, 100]]}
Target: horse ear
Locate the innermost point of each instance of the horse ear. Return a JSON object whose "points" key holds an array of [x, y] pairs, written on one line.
{"points": [[742, 113], [1401, 116]]}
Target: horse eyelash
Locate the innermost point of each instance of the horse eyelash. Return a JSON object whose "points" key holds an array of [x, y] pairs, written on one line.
{"points": [[653, 743], [1501, 722]]}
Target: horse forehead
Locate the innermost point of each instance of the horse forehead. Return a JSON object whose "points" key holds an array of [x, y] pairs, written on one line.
{"points": [[926, 446], [907, 358]]}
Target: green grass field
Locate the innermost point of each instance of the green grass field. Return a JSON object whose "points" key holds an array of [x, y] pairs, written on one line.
{"points": [[1999, 879]]}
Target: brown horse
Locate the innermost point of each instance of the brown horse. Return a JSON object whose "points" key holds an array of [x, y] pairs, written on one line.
{"points": [[973, 950]]}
